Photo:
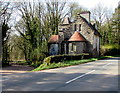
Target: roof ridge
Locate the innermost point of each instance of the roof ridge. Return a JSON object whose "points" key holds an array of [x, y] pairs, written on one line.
{"points": [[91, 26], [77, 36]]}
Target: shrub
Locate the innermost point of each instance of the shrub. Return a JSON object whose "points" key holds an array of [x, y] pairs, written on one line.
{"points": [[60, 58], [110, 50], [36, 64], [47, 60]]}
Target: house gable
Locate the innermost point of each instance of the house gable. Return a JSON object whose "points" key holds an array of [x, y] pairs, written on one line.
{"points": [[90, 43]]}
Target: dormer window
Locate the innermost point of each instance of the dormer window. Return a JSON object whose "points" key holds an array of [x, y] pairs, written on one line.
{"points": [[79, 27]]}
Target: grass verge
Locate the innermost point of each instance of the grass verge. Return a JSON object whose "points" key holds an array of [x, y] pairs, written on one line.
{"points": [[69, 63]]}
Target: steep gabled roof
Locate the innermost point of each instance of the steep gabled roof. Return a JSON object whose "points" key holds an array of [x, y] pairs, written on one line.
{"points": [[91, 26], [84, 12], [66, 21], [54, 39], [77, 37]]}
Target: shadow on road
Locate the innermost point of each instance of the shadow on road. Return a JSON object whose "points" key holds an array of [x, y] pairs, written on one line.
{"points": [[44, 81], [55, 80]]}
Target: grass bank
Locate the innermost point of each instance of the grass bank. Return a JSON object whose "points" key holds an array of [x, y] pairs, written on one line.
{"points": [[69, 63]]}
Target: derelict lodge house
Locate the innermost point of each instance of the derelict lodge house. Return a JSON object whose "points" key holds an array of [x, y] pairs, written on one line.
{"points": [[79, 36]]}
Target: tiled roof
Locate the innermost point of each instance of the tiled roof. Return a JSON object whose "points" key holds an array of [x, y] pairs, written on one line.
{"points": [[77, 37], [54, 39]]}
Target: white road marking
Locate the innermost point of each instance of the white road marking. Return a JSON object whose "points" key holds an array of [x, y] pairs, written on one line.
{"points": [[79, 77], [106, 65], [85, 74]]}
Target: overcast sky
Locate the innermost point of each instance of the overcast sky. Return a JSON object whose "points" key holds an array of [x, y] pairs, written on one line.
{"points": [[85, 3], [92, 3]]}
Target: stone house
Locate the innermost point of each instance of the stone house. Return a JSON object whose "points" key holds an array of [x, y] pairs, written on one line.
{"points": [[79, 36]]}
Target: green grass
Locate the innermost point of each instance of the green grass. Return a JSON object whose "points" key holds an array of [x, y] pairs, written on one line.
{"points": [[69, 63], [113, 46]]}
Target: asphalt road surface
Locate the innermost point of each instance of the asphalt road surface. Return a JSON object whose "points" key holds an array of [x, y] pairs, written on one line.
{"points": [[99, 75]]}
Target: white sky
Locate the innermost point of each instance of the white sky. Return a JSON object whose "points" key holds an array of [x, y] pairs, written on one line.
{"points": [[112, 4], [85, 3]]}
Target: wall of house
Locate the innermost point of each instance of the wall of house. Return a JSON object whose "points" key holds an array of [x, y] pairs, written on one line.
{"points": [[67, 31], [95, 42], [96, 46], [72, 48], [80, 47], [87, 32], [61, 36], [77, 47]]}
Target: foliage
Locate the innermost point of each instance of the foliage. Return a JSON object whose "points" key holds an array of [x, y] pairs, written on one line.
{"points": [[116, 25], [54, 14], [110, 50], [5, 51], [67, 63], [6, 55], [60, 58], [47, 60], [74, 8], [36, 26], [39, 21], [30, 30], [108, 24], [19, 62], [5, 14]]}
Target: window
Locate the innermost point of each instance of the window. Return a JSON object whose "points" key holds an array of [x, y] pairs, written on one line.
{"points": [[75, 27], [79, 27], [73, 47]]}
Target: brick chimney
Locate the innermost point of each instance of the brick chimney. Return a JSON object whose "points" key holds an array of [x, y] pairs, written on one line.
{"points": [[86, 15]]}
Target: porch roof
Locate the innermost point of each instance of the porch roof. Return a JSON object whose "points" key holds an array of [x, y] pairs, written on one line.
{"points": [[77, 37], [54, 39]]}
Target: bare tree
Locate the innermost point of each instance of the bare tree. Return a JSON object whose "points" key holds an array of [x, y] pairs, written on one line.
{"points": [[54, 14], [98, 13], [102, 15], [74, 8]]}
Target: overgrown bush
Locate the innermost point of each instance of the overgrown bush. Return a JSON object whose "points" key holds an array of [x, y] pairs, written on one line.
{"points": [[36, 64], [110, 50], [61, 58]]}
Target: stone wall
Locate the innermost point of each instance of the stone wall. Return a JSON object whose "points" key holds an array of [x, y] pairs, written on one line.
{"points": [[87, 32], [77, 47]]}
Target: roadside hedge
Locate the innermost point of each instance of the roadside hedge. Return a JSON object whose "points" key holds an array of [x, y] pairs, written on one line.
{"points": [[110, 50], [61, 58]]}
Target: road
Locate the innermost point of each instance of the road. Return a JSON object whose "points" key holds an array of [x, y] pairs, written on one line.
{"points": [[99, 75]]}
